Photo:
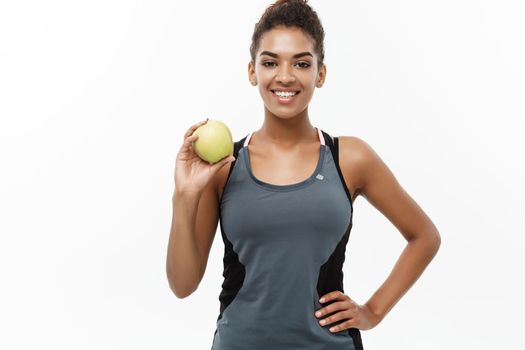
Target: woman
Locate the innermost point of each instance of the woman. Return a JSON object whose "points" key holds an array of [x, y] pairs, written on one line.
{"points": [[285, 204]]}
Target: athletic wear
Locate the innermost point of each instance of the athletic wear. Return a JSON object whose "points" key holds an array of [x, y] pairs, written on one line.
{"points": [[284, 247]]}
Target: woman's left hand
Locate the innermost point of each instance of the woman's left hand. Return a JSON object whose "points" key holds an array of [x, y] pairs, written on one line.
{"points": [[357, 316]]}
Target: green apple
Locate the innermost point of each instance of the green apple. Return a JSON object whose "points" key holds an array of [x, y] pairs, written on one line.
{"points": [[214, 142]]}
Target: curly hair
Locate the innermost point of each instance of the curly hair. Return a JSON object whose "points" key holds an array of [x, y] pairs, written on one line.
{"points": [[290, 13]]}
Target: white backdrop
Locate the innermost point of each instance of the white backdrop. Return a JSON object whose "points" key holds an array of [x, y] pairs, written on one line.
{"points": [[95, 98]]}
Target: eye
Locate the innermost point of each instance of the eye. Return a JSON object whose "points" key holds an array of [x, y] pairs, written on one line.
{"points": [[305, 64], [272, 64], [266, 63]]}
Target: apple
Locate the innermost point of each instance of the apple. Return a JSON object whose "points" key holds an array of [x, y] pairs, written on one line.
{"points": [[214, 142]]}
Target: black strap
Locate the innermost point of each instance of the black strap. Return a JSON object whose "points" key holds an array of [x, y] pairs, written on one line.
{"points": [[333, 143], [236, 147]]}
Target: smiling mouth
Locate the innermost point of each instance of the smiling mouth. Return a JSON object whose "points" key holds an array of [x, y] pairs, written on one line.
{"points": [[287, 94], [285, 98]]}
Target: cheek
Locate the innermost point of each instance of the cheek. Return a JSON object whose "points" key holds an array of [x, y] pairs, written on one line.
{"points": [[265, 77]]}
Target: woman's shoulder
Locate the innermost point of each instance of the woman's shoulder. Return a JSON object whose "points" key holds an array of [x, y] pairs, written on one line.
{"points": [[355, 158], [354, 146]]}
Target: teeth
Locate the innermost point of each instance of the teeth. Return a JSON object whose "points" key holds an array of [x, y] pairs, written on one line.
{"points": [[285, 94]]}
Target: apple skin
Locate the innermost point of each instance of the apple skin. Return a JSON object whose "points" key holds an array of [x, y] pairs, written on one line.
{"points": [[214, 142]]}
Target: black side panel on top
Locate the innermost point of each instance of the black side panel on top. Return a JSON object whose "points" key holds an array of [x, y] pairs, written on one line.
{"points": [[331, 272], [234, 271]]}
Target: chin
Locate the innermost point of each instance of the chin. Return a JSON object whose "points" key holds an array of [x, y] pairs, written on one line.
{"points": [[285, 114]]}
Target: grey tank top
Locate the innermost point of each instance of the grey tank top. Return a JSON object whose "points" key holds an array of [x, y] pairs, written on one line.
{"points": [[284, 247]]}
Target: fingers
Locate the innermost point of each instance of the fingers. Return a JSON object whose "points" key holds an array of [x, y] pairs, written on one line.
{"points": [[188, 140], [352, 323], [338, 311], [194, 127], [337, 294], [341, 301], [341, 315], [189, 136], [340, 305], [221, 163]]}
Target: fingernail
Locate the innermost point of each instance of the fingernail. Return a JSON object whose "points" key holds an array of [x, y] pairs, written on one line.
{"points": [[318, 313], [321, 300]]}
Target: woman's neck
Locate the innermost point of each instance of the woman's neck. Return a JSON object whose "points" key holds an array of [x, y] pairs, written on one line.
{"points": [[284, 134]]}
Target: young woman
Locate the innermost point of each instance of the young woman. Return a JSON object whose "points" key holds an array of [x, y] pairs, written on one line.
{"points": [[285, 204]]}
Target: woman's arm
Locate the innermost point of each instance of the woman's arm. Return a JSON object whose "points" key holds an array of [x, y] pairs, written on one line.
{"points": [[375, 182]]}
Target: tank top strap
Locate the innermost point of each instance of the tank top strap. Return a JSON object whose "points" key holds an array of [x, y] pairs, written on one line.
{"points": [[247, 140]]}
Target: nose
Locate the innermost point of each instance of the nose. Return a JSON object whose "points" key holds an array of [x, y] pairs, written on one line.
{"points": [[285, 76]]}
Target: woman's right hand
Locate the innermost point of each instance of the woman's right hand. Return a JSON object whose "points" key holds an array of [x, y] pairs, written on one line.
{"points": [[192, 174]]}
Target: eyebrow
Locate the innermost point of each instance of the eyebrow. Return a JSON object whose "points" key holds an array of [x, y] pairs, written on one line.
{"points": [[301, 54]]}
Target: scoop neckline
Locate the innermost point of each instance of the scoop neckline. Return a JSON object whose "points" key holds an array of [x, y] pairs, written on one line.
{"points": [[287, 187]]}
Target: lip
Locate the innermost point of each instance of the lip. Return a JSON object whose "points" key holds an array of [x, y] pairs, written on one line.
{"points": [[284, 90], [285, 101]]}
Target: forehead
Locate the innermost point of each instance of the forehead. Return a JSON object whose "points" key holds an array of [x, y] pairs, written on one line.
{"points": [[286, 41]]}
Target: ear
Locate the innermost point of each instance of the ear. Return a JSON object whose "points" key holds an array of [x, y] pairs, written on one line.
{"points": [[251, 73], [321, 76]]}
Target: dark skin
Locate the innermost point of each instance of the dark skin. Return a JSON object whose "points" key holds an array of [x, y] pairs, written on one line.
{"points": [[285, 150]]}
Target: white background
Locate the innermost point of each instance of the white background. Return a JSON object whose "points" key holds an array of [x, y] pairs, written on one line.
{"points": [[95, 98]]}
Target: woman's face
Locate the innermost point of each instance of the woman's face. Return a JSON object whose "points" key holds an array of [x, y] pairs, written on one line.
{"points": [[286, 61]]}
